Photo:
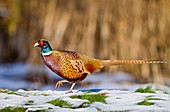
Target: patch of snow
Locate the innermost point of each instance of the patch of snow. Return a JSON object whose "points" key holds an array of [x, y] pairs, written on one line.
{"points": [[117, 100]]}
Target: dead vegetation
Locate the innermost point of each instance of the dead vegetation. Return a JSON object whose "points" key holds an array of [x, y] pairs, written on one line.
{"points": [[116, 29]]}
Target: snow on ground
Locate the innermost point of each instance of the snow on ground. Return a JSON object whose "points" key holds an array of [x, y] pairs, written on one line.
{"points": [[117, 100]]}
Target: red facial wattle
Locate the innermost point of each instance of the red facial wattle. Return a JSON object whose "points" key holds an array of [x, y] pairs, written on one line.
{"points": [[41, 43]]}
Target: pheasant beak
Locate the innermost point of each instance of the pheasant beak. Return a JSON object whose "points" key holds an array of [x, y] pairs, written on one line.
{"points": [[36, 45]]}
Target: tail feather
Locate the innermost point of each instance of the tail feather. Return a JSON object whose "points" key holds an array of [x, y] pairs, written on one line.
{"points": [[126, 62]]}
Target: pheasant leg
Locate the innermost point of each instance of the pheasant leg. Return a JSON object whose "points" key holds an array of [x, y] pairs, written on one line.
{"points": [[72, 86]]}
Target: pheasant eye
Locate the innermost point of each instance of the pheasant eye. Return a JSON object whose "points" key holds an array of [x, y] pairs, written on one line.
{"points": [[41, 43]]}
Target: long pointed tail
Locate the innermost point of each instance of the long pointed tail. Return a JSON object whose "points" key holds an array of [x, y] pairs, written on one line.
{"points": [[126, 62]]}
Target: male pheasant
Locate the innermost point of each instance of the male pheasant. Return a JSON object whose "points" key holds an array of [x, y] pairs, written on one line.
{"points": [[74, 67]]}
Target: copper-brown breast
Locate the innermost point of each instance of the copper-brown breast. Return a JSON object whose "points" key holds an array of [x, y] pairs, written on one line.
{"points": [[67, 65]]}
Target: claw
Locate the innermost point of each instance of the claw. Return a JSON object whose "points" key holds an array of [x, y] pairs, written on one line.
{"points": [[69, 92], [60, 83]]}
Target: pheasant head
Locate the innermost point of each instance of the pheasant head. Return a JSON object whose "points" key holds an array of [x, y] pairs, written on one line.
{"points": [[45, 47]]}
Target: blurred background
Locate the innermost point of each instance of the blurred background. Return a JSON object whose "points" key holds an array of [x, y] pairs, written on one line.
{"points": [[104, 29]]}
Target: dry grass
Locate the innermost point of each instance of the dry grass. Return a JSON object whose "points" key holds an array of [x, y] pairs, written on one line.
{"points": [[116, 29]]}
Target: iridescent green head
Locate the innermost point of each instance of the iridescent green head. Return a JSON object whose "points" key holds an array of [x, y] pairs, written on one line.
{"points": [[45, 47]]}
